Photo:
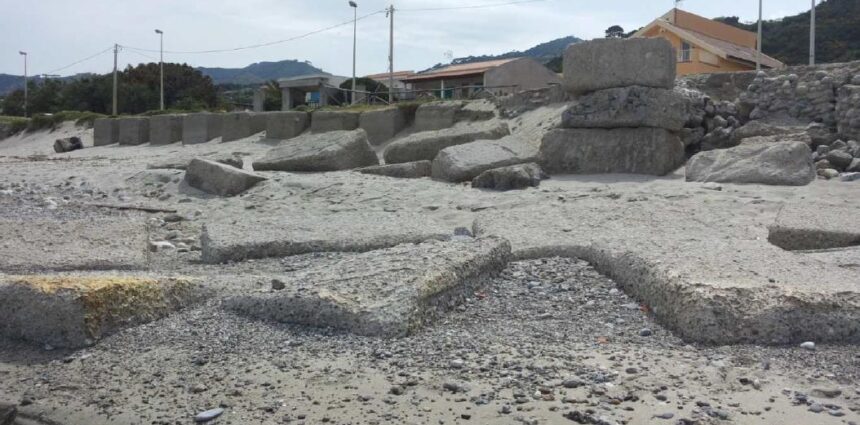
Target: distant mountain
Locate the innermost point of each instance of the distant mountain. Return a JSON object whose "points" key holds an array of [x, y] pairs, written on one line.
{"points": [[544, 52], [259, 73]]}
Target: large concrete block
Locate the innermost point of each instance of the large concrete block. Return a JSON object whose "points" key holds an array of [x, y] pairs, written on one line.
{"points": [[286, 125], [322, 121], [72, 311], [165, 129], [633, 106], [436, 115], [653, 151], [331, 151], [236, 125], [219, 179], [796, 229], [133, 131], [105, 131], [201, 127], [427, 144], [382, 125], [406, 170], [782, 163], [608, 63], [258, 121], [465, 162]]}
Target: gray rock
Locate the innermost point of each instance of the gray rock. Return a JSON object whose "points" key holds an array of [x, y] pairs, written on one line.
{"points": [[426, 145], [692, 136], [436, 115], [68, 144], [324, 121], [208, 415], [286, 125], [465, 162], [330, 151], [801, 137], [219, 179], [850, 177], [597, 151], [633, 106], [720, 138], [828, 173], [608, 63], [787, 163], [382, 125], [518, 176], [105, 131], [854, 167], [133, 131], [8, 412], [840, 159], [165, 129], [406, 170]]}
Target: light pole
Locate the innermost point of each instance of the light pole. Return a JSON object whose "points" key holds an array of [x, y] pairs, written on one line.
{"points": [[812, 35], [758, 52], [161, 63], [22, 53], [354, 7]]}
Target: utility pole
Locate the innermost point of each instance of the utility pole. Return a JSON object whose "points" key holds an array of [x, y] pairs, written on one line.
{"points": [[115, 53], [22, 53], [161, 64], [758, 52], [390, 14], [354, 7], [812, 35]]}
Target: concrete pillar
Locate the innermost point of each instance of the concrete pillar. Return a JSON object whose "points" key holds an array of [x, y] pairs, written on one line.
{"points": [[323, 96], [259, 99], [286, 100]]}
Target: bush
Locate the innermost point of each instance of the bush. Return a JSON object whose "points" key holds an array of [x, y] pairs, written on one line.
{"points": [[51, 121], [12, 125]]}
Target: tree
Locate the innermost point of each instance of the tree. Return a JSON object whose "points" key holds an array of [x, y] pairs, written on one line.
{"points": [[273, 96], [615, 31]]}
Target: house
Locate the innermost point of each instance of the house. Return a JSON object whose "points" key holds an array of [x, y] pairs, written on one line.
{"points": [[707, 46], [315, 89], [497, 77], [399, 77]]}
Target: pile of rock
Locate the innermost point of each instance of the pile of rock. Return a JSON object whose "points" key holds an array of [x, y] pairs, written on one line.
{"points": [[838, 157], [626, 116]]}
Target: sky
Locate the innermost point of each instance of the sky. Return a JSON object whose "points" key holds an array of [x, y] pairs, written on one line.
{"points": [[57, 33]]}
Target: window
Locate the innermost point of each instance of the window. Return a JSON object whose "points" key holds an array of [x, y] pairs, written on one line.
{"points": [[686, 53]]}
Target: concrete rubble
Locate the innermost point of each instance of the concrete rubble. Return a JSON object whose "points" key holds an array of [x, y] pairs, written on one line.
{"points": [[784, 163], [218, 178], [426, 145], [330, 151]]}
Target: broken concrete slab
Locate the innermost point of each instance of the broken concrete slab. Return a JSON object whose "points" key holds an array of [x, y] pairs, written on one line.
{"points": [[706, 281], [383, 124], [323, 121], [219, 178], [133, 131], [105, 131], [392, 292], [607, 63], [476, 110], [71, 311], [795, 229], [406, 170], [633, 106], [465, 162], [286, 125], [165, 129], [785, 163], [425, 145], [757, 128], [330, 151], [201, 127], [518, 176], [652, 151], [237, 125], [95, 244], [436, 115], [300, 233]]}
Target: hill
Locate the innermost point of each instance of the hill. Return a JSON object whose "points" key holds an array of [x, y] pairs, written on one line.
{"points": [[787, 39], [259, 73], [544, 53]]}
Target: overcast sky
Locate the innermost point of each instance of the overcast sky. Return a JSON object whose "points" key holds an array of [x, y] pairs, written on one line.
{"points": [[57, 33]]}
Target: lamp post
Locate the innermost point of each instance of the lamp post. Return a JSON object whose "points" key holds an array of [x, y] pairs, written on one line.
{"points": [[758, 52], [161, 63], [354, 7], [812, 35], [22, 53]]}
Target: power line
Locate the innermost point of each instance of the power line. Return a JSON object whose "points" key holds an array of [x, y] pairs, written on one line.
{"points": [[476, 6], [143, 55], [80, 61]]}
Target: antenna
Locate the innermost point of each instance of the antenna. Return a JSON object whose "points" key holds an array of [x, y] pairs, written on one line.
{"points": [[678, 4], [449, 55]]}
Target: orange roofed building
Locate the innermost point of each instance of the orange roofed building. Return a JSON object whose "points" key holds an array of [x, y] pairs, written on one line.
{"points": [[707, 46]]}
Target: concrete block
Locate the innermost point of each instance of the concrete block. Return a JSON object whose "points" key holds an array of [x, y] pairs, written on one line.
{"points": [[105, 131], [465, 162], [624, 107], [165, 129], [782, 163], [436, 115], [322, 121], [201, 127], [607, 63], [258, 121], [133, 131], [382, 125], [331, 151], [406, 170], [286, 125], [219, 178], [236, 125], [427, 144]]}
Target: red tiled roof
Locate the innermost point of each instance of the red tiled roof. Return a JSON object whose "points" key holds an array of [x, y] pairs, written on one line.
{"points": [[462, 70], [398, 75]]}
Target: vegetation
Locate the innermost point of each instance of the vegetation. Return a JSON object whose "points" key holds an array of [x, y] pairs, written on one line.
{"points": [[260, 73]]}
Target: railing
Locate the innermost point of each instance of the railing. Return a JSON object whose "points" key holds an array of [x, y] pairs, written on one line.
{"points": [[448, 93], [685, 55]]}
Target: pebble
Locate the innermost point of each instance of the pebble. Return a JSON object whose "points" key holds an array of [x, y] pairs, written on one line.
{"points": [[457, 363], [816, 408], [278, 284], [208, 415], [808, 345], [645, 332]]}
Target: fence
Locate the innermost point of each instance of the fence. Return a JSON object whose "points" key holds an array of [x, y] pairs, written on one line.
{"points": [[400, 95]]}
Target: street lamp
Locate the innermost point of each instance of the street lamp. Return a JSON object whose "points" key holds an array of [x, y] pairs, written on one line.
{"points": [[354, 7], [161, 63], [758, 51], [22, 53], [812, 34]]}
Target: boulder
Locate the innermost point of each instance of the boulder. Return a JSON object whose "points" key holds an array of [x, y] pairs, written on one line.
{"points": [[786, 163], [219, 179], [68, 144], [633, 106], [607, 63], [133, 131], [105, 131], [324, 121], [382, 125], [331, 151], [436, 115], [406, 170], [165, 129], [8, 412], [465, 162], [854, 167], [840, 159], [518, 176], [801, 137], [653, 151], [425, 145], [201, 127], [286, 125]]}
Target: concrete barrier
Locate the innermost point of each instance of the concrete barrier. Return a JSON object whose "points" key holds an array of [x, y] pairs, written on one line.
{"points": [[133, 131], [286, 125], [382, 125], [201, 127], [165, 129], [105, 132], [322, 121], [237, 125], [258, 121], [436, 115]]}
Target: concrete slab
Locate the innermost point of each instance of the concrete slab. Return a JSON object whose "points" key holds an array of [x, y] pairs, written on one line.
{"points": [[382, 125], [133, 131], [94, 244], [390, 293], [707, 281], [798, 229], [465, 162], [71, 311], [105, 132], [219, 178], [330, 151], [201, 127], [300, 233], [323, 121], [427, 144], [406, 170], [286, 125], [165, 129]]}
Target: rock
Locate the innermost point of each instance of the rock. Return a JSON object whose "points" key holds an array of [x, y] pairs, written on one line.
{"points": [[201, 127], [816, 408], [692, 136], [573, 383], [758, 128], [406, 170], [826, 392], [105, 131], [165, 129], [511, 177], [231, 160], [645, 332], [828, 173], [324, 121], [133, 131], [788, 137], [633, 106], [158, 246], [219, 179], [823, 164], [436, 115], [426, 145], [208, 415], [720, 138], [278, 284], [457, 363], [608, 63], [787, 164], [330, 151], [398, 291], [465, 162], [286, 125], [597, 151], [8, 412], [382, 125], [808, 345], [840, 159], [850, 177], [68, 144]]}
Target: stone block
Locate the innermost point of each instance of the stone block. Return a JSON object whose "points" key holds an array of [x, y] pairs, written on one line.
{"points": [[784, 163], [219, 178], [165, 129], [323, 121], [518, 176], [133, 131], [465, 162], [406, 170], [286, 125], [436, 115], [382, 125], [633, 106], [105, 131], [608, 63], [330, 151], [427, 144], [201, 127], [236, 125]]}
